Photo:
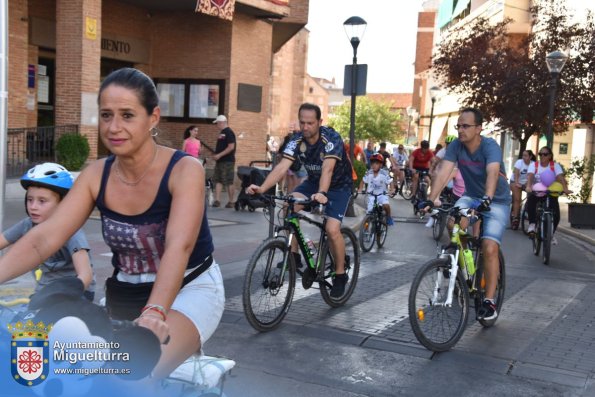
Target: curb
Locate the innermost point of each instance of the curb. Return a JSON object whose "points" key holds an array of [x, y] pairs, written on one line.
{"points": [[575, 234]]}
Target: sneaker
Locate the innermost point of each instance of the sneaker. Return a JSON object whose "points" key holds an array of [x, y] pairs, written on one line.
{"points": [[216, 203], [413, 201], [339, 285], [389, 221], [554, 240], [531, 229], [487, 311], [430, 222]]}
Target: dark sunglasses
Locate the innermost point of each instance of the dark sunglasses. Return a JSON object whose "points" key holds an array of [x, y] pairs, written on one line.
{"points": [[545, 154], [465, 126]]}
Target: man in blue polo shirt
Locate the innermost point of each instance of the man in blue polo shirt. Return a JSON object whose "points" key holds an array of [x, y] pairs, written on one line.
{"points": [[480, 162], [320, 149]]}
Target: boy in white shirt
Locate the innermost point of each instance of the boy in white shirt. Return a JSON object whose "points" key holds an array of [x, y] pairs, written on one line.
{"points": [[379, 182]]}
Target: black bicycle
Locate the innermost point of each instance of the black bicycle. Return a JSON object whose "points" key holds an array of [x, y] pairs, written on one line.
{"points": [[269, 283], [441, 217], [544, 228], [421, 194], [405, 187], [374, 227]]}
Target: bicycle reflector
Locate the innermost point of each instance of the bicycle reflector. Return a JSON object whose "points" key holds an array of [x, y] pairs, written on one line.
{"points": [[421, 315]]}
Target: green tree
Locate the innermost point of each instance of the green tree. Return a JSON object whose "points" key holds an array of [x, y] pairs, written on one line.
{"points": [[505, 75], [373, 121]]}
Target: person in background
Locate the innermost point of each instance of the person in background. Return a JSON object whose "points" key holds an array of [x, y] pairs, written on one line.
{"points": [[46, 185], [368, 152], [399, 161], [419, 161], [272, 148], [437, 148], [535, 169], [225, 161], [378, 181], [518, 182], [191, 143], [385, 154]]}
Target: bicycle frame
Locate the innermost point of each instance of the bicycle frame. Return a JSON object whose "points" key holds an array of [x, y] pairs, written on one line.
{"points": [[291, 224]]}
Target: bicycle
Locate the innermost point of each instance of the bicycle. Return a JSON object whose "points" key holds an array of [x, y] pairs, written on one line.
{"points": [[198, 375], [421, 193], [269, 282], [374, 227], [441, 218], [442, 289], [405, 187], [544, 228]]}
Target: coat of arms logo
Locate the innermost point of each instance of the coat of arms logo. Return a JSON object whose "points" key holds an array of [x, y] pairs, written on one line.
{"points": [[29, 349]]}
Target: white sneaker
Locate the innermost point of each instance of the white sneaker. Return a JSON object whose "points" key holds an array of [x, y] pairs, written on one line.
{"points": [[430, 222], [554, 240], [531, 228]]}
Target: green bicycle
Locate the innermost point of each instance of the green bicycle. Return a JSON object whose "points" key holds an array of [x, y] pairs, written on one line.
{"points": [[269, 283], [443, 287]]}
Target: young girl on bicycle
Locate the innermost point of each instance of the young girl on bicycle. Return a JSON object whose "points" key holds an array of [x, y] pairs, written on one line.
{"points": [[378, 181], [191, 143], [46, 185], [518, 181]]}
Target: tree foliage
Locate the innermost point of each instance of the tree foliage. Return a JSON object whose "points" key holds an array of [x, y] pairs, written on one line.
{"points": [[505, 74], [373, 121]]}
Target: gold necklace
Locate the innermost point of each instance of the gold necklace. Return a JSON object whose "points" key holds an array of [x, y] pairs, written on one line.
{"points": [[128, 183]]}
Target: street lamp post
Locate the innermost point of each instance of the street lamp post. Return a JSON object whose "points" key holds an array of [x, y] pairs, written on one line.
{"points": [[355, 28], [410, 112], [555, 63], [434, 91]]}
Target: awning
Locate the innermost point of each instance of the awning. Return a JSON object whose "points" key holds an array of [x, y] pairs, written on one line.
{"points": [[445, 13], [460, 7]]}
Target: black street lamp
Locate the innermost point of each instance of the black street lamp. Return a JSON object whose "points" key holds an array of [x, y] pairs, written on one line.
{"points": [[434, 91], [555, 63], [355, 27]]}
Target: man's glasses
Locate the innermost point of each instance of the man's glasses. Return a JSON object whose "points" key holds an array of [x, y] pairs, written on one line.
{"points": [[465, 126], [544, 154]]}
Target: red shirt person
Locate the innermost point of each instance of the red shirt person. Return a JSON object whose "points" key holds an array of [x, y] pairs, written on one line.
{"points": [[420, 161]]}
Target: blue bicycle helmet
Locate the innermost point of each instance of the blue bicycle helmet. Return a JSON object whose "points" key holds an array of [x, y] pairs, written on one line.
{"points": [[50, 176]]}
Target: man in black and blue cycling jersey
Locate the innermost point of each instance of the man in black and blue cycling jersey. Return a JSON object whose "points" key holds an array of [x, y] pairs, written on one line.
{"points": [[320, 149]]}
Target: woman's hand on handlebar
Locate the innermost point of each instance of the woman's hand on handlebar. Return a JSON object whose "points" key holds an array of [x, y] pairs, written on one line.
{"points": [[155, 323], [253, 189]]}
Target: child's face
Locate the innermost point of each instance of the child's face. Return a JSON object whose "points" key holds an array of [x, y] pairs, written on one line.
{"points": [[41, 203], [375, 166]]}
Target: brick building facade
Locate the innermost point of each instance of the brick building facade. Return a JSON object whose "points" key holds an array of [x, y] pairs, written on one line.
{"points": [[59, 50]]}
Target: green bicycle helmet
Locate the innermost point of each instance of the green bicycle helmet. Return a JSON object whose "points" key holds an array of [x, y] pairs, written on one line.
{"points": [[450, 138]]}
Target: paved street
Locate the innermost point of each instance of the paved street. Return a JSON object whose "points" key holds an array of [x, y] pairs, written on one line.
{"points": [[542, 345]]}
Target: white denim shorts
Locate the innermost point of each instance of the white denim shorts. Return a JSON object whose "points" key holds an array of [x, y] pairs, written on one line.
{"points": [[383, 199], [202, 300]]}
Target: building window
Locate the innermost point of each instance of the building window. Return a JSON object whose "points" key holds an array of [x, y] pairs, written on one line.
{"points": [[190, 100], [563, 148]]}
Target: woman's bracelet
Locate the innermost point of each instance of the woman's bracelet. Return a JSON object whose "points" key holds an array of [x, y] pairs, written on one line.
{"points": [[156, 308]]}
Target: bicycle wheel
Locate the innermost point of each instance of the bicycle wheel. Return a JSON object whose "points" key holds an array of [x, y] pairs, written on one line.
{"points": [[352, 262], [548, 231], [267, 296], [537, 237], [524, 220], [367, 233], [438, 226], [405, 190], [481, 285], [436, 326], [381, 231]]}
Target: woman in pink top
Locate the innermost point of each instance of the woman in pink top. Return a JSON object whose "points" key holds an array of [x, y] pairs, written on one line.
{"points": [[191, 143]]}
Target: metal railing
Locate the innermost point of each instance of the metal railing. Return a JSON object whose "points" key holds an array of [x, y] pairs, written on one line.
{"points": [[27, 147]]}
